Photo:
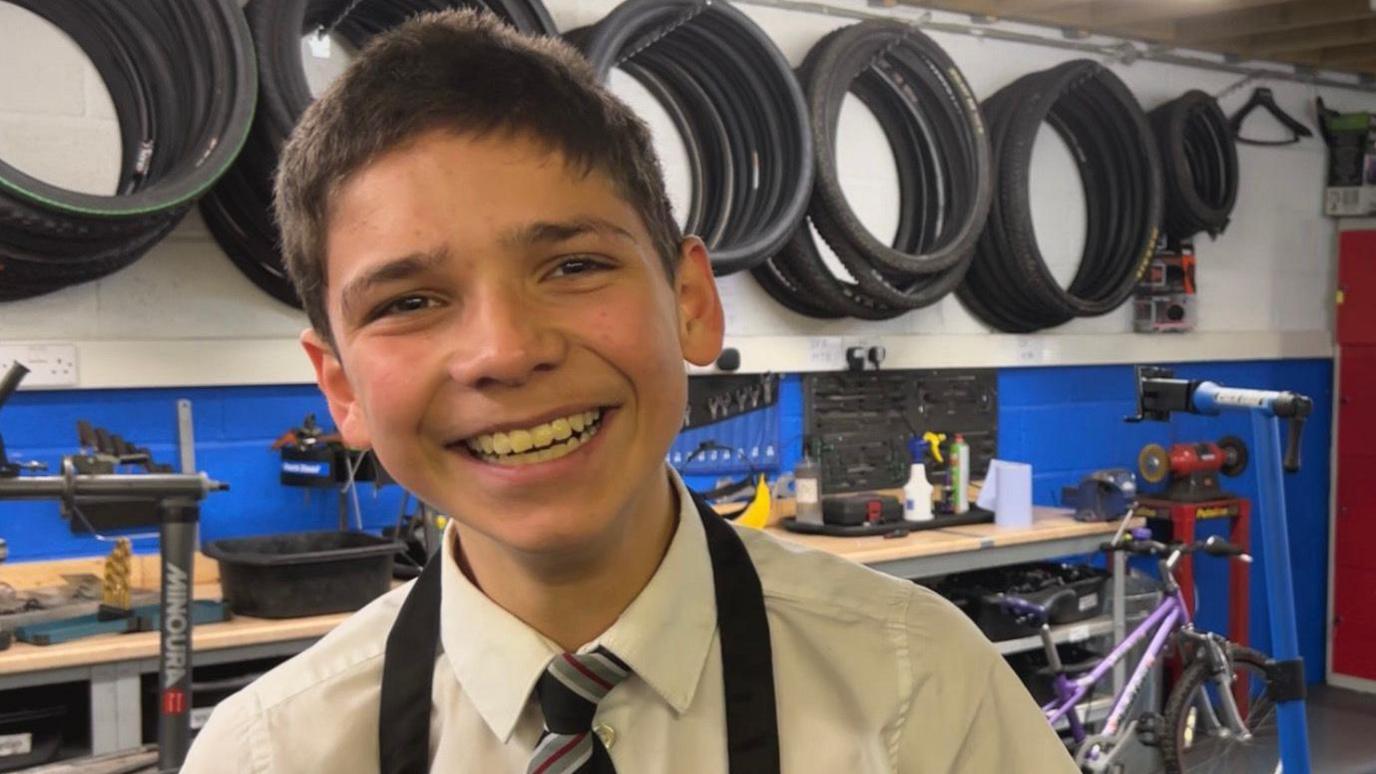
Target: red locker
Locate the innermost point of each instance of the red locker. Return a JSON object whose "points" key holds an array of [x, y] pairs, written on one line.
{"points": [[1354, 523], [1356, 517], [1357, 401], [1354, 624], [1357, 287]]}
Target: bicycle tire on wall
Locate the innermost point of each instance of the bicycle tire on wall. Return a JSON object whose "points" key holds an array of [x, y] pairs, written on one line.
{"points": [[740, 112], [1009, 285], [1198, 162], [238, 211], [931, 121], [181, 78]]}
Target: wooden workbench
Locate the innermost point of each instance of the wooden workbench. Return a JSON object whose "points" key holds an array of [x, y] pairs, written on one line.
{"points": [[919, 554], [113, 663]]}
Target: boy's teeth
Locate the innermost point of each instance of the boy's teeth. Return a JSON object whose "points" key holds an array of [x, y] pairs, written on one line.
{"points": [[554, 452], [544, 439], [520, 441], [501, 443]]}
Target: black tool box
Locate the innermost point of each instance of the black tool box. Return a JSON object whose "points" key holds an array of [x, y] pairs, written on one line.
{"points": [[978, 594]]}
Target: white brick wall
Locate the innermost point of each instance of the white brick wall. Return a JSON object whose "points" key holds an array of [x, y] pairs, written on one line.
{"points": [[1271, 273]]}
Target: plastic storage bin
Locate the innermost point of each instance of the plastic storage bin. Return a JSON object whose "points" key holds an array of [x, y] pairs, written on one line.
{"points": [[29, 737], [977, 594], [304, 573]]}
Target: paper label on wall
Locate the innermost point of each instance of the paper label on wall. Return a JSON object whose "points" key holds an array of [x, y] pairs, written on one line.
{"points": [[826, 353], [1029, 350], [12, 745]]}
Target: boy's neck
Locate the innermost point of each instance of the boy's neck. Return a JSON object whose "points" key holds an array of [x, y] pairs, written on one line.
{"points": [[572, 602]]}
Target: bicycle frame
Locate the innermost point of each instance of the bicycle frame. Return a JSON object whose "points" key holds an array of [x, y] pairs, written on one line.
{"points": [[1170, 615]]}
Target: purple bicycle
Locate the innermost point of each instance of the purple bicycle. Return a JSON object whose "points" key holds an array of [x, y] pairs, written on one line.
{"points": [[1219, 715]]}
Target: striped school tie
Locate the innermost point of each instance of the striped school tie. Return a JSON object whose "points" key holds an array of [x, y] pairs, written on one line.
{"points": [[569, 691]]}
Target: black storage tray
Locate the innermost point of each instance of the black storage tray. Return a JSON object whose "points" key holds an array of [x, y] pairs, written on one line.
{"points": [[303, 573], [43, 728], [977, 594]]}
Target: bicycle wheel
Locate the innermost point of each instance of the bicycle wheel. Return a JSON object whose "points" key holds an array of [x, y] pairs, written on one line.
{"points": [[1195, 738]]}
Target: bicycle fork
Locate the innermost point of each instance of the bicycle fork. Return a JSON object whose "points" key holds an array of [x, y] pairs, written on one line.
{"points": [[1222, 675]]}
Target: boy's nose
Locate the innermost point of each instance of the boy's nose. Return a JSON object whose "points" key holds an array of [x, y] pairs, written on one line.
{"points": [[504, 339]]}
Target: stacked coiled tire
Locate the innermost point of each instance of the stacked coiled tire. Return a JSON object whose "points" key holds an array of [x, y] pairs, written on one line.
{"points": [[735, 102], [1198, 163], [932, 122], [1009, 285], [181, 76], [238, 211]]}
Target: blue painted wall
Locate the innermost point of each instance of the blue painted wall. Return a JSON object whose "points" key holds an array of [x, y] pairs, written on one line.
{"points": [[1066, 421], [234, 426], [1069, 421]]}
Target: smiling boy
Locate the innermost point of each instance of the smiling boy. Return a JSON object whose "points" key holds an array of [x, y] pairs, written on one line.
{"points": [[501, 305]]}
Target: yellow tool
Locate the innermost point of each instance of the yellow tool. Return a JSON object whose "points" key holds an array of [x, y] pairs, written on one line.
{"points": [[934, 440], [756, 514], [114, 590]]}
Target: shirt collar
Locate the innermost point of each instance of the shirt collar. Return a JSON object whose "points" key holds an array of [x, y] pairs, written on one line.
{"points": [[665, 634]]}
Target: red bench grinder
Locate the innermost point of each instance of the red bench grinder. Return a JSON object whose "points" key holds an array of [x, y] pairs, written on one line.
{"points": [[1194, 493]]}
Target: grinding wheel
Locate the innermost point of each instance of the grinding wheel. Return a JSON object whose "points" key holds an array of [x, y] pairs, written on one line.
{"points": [[1154, 463]]}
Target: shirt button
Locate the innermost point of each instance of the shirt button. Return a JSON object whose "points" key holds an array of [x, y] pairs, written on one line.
{"points": [[606, 733]]}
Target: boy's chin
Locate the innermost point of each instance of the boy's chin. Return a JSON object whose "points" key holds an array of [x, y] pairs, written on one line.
{"points": [[555, 534]]}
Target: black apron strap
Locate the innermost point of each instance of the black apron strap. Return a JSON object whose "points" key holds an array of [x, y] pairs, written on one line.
{"points": [[408, 672], [747, 665]]}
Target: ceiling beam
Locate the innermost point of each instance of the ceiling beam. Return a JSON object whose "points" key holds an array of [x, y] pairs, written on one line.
{"points": [[1124, 14], [1327, 36], [1230, 28], [1346, 55]]}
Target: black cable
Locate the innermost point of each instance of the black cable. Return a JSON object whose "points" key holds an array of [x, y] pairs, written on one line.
{"points": [[1198, 163], [238, 211], [180, 75], [735, 102], [932, 122], [1009, 285]]}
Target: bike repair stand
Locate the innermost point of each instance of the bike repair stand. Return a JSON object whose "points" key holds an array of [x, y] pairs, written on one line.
{"points": [[1159, 394], [177, 495]]}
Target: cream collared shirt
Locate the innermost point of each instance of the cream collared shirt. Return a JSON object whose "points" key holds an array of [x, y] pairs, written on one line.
{"points": [[872, 674]]}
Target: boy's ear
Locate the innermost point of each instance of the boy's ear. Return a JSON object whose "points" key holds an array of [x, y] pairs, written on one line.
{"points": [[339, 394], [701, 322]]}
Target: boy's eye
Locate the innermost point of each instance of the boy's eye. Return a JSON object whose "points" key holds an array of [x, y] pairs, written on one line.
{"points": [[404, 305], [578, 265]]}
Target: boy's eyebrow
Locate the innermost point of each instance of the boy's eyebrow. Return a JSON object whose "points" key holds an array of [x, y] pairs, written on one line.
{"points": [[398, 268], [546, 232]]}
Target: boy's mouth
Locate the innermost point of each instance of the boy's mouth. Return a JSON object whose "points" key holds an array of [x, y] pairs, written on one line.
{"points": [[540, 443]]}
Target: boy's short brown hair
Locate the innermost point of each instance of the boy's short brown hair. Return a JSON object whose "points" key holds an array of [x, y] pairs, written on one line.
{"points": [[466, 71]]}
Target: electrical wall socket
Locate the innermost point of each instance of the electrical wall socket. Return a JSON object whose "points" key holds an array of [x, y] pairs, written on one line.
{"points": [[50, 365]]}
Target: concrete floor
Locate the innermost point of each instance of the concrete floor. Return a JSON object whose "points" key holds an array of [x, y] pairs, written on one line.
{"points": [[1342, 736], [1342, 730]]}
